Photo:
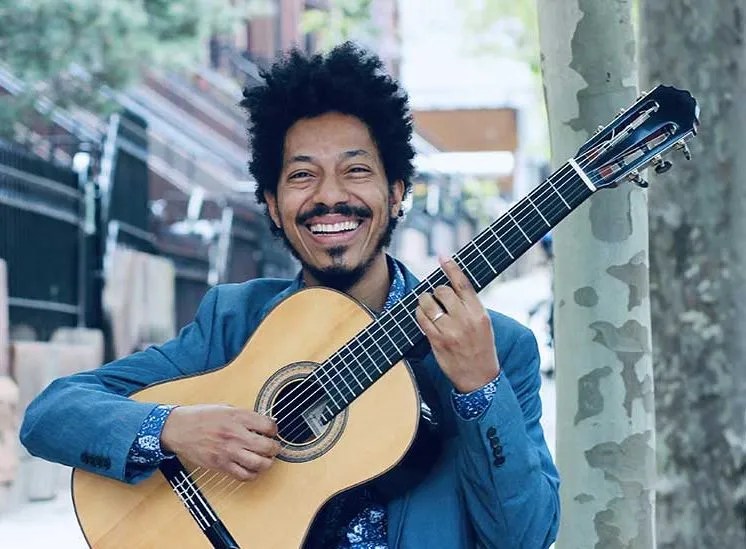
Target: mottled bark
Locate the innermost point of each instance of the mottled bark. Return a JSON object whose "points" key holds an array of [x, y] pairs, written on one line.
{"points": [[698, 277], [605, 415]]}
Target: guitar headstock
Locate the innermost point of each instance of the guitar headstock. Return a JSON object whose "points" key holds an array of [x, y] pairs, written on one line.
{"points": [[639, 136]]}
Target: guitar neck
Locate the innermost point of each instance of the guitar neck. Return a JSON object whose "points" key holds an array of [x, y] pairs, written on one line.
{"points": [[395, 332]]}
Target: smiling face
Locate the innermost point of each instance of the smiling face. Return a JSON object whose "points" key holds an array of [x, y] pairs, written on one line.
{"points": [[333, 200]]}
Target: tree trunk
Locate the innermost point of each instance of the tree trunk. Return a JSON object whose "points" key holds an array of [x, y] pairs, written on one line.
{"points": [[605, 414], [698, 277]]}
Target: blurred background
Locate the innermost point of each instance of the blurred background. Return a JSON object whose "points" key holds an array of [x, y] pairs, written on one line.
{"points": [[125, 195]]}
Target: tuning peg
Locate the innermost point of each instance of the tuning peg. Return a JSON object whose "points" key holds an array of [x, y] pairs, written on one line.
{"points": [[635, 177], [683, 147], [598, 130], [642, 94], [661, 166]]}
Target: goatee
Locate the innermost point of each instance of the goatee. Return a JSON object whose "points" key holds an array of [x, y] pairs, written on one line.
{"points": [[339, 276]]}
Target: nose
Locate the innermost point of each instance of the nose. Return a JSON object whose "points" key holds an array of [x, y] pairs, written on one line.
{"points": [[330, 191]]}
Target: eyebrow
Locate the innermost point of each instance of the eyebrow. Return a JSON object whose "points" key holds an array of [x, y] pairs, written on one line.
{"points": [[345, 155]]}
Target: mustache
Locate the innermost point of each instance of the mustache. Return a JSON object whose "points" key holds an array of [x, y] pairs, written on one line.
{"points": [[341, 209]]}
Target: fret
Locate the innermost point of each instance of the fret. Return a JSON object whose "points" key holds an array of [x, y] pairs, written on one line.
{"points": [[322, 370], [353, 373], [392, 315], [551, 184], [474, 280], [410, 314], [361, 367], [492, 230], [386, 333], [538, 210], [432, 288], [337, 377], [487, 261], [378, 346], [342, 376], [510, 215], [370, 358]]}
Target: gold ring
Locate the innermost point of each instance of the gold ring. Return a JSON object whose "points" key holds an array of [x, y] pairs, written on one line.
{"points": [[436, 317]]}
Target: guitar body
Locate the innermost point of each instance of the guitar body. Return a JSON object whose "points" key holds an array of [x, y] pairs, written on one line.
{"points": [[276, 510]]}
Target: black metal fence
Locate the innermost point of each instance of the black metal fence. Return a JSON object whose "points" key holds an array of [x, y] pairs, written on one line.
{"points": [[40, 241], [55, 266]]}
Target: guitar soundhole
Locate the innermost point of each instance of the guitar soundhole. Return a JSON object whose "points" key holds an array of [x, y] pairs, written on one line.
{"points": [[298, 404], [298, 408]]}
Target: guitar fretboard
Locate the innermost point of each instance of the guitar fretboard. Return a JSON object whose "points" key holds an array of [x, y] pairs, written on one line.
{"points": [[370, 354]]}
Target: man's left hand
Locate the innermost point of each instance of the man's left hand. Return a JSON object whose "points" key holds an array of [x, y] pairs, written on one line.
{"points": [[459, 330]]}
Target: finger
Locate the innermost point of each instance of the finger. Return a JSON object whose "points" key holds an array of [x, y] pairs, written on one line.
{"points": [[450, 302], [239, 473], [258, 423], [264, 446], [430, 307], [251, 461], [459, 282], [428, 326]]}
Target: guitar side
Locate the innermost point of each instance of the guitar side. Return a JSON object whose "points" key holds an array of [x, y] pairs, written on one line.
{"points": [[276, 510]]}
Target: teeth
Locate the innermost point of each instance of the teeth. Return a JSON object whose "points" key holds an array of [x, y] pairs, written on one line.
{"points": [[335, 227]]}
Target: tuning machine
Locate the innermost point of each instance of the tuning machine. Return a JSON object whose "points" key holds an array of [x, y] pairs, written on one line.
{"points": [[661, 165], [683, 147], [635, 177]]}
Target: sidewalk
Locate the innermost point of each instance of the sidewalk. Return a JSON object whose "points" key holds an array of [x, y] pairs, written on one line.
{"points": [[52, 524]]}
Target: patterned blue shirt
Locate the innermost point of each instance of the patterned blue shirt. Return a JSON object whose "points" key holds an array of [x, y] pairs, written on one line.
{"points": [[367, 530]]}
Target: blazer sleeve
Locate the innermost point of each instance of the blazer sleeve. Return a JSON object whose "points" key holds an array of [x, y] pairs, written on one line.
{"points": [[87, 421], [509, 482]]}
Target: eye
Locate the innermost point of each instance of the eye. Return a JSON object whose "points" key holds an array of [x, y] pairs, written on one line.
{"points": [[358, 169], [301, 174]]}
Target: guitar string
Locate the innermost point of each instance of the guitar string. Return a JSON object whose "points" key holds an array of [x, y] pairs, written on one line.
{"points": [[469, 256], [234, 481], [483, 271], [549, 191], [546, 191], [283, 403], [378, 332]]}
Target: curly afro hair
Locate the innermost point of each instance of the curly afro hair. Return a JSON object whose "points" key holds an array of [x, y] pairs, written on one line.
{"points": [[347, 80]]}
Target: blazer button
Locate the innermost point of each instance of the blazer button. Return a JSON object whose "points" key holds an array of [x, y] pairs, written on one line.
{"points": [[495, 442], [491, 432], [499, 460]]}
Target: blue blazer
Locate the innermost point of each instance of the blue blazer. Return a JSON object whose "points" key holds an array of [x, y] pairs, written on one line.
{"points": [[471, 497]]}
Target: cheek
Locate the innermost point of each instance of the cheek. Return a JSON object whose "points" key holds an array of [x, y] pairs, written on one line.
{"points": [[287, 208]]}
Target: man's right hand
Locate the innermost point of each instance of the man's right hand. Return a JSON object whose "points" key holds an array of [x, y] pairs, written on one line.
{"points": [[232, 440]]}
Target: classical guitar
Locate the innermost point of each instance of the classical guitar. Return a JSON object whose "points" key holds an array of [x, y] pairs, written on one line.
{"points": [[335, 379]]}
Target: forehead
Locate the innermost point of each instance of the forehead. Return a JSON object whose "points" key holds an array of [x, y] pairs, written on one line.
{"points": [[328, 136]]}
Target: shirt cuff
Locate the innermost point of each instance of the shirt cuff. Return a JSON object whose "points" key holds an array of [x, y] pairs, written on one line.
{"points": [[472, 405], [146, 450]]}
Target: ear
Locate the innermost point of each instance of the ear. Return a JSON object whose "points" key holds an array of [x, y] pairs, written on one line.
{"points": [[395, 197], [272, 208]]}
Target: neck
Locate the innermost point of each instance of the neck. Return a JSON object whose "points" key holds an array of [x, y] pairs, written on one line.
{"points": [[373, 287]]}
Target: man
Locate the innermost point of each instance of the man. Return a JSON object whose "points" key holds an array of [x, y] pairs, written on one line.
{"points": [[332, 159]]}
